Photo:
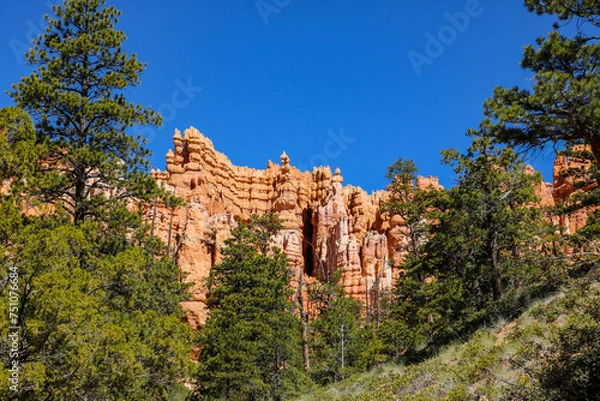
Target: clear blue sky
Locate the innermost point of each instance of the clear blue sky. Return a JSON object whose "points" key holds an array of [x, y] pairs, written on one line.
{"points": [[351, 83]]}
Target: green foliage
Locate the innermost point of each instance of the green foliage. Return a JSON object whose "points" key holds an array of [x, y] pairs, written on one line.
{"points": [[98, 311], [371, 350], [584, 177], [591, 230], [98, 297], [481, 258], [76, 95], [564, 102], [554, 343], [408, 202], [585, 245], [79, 336], [335, 340], [412, 205], [341, 342], [585, 10], [250, 344], [397, 334], [566, 365], [402, 172], [573, 363], [17, 146]]}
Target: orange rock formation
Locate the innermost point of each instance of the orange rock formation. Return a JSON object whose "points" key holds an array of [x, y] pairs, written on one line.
{"points": [[327, 226], [565, 186]]}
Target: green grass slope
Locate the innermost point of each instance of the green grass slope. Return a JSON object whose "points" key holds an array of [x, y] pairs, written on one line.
{"points": [[550, 352]]}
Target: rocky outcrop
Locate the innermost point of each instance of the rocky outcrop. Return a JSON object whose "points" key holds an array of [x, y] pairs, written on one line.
{"points": [[571, 177], [327, 226]]}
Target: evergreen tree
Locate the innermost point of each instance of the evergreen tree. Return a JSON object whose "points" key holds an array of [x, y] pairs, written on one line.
{"points": [[562, 106], [74, 341], [341, 343], [249, 346], [408, 202], [412, 205], [76, 95], [564, 101], [336, 340], [497, 191], [98, 297], [481, 257]]}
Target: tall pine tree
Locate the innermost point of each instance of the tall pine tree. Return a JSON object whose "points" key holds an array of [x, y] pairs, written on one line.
{"points": [[483, 255], [564, 101], [98, 298], [250, 344], [76, 95]]}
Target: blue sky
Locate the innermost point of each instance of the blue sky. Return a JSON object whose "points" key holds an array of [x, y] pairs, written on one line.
{"points": [[353, 84]]}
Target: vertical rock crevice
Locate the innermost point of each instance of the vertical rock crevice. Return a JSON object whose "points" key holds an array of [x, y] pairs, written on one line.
{"points": [[326, 226], [307, 242]]}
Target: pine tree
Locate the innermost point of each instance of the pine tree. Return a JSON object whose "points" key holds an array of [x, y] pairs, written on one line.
{"points": [[562, 107], [412, 204], [76, 95], [341, 342], [249, 346], [408, 202], [75, 340], [564, 100], [482, 258], [336, 340], [98, 297]]}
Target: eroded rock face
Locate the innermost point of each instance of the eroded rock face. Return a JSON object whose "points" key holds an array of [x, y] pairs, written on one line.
{"points": [[565, 186], [326, 226]]}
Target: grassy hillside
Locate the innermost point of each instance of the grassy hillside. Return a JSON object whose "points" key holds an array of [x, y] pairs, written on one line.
{"points": [[522, 359]]}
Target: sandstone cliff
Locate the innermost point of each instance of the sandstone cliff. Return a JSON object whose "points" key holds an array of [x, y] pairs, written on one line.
{"points": [[327, 226], [571, 176]]}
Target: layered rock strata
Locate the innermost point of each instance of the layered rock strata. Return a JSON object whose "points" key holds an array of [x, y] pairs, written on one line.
{"points": [[327, 226], [571, 176]]}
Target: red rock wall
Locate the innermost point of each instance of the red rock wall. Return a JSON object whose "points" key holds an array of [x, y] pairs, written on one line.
{"points": [[565, 187], [327, 226]]}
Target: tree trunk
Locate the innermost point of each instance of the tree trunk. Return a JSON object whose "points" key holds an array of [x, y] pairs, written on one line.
{"points": [[304, 320], [496, 277], [153, 218], [595, 145], [79, 199], [343, 332], [278, 366]]}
